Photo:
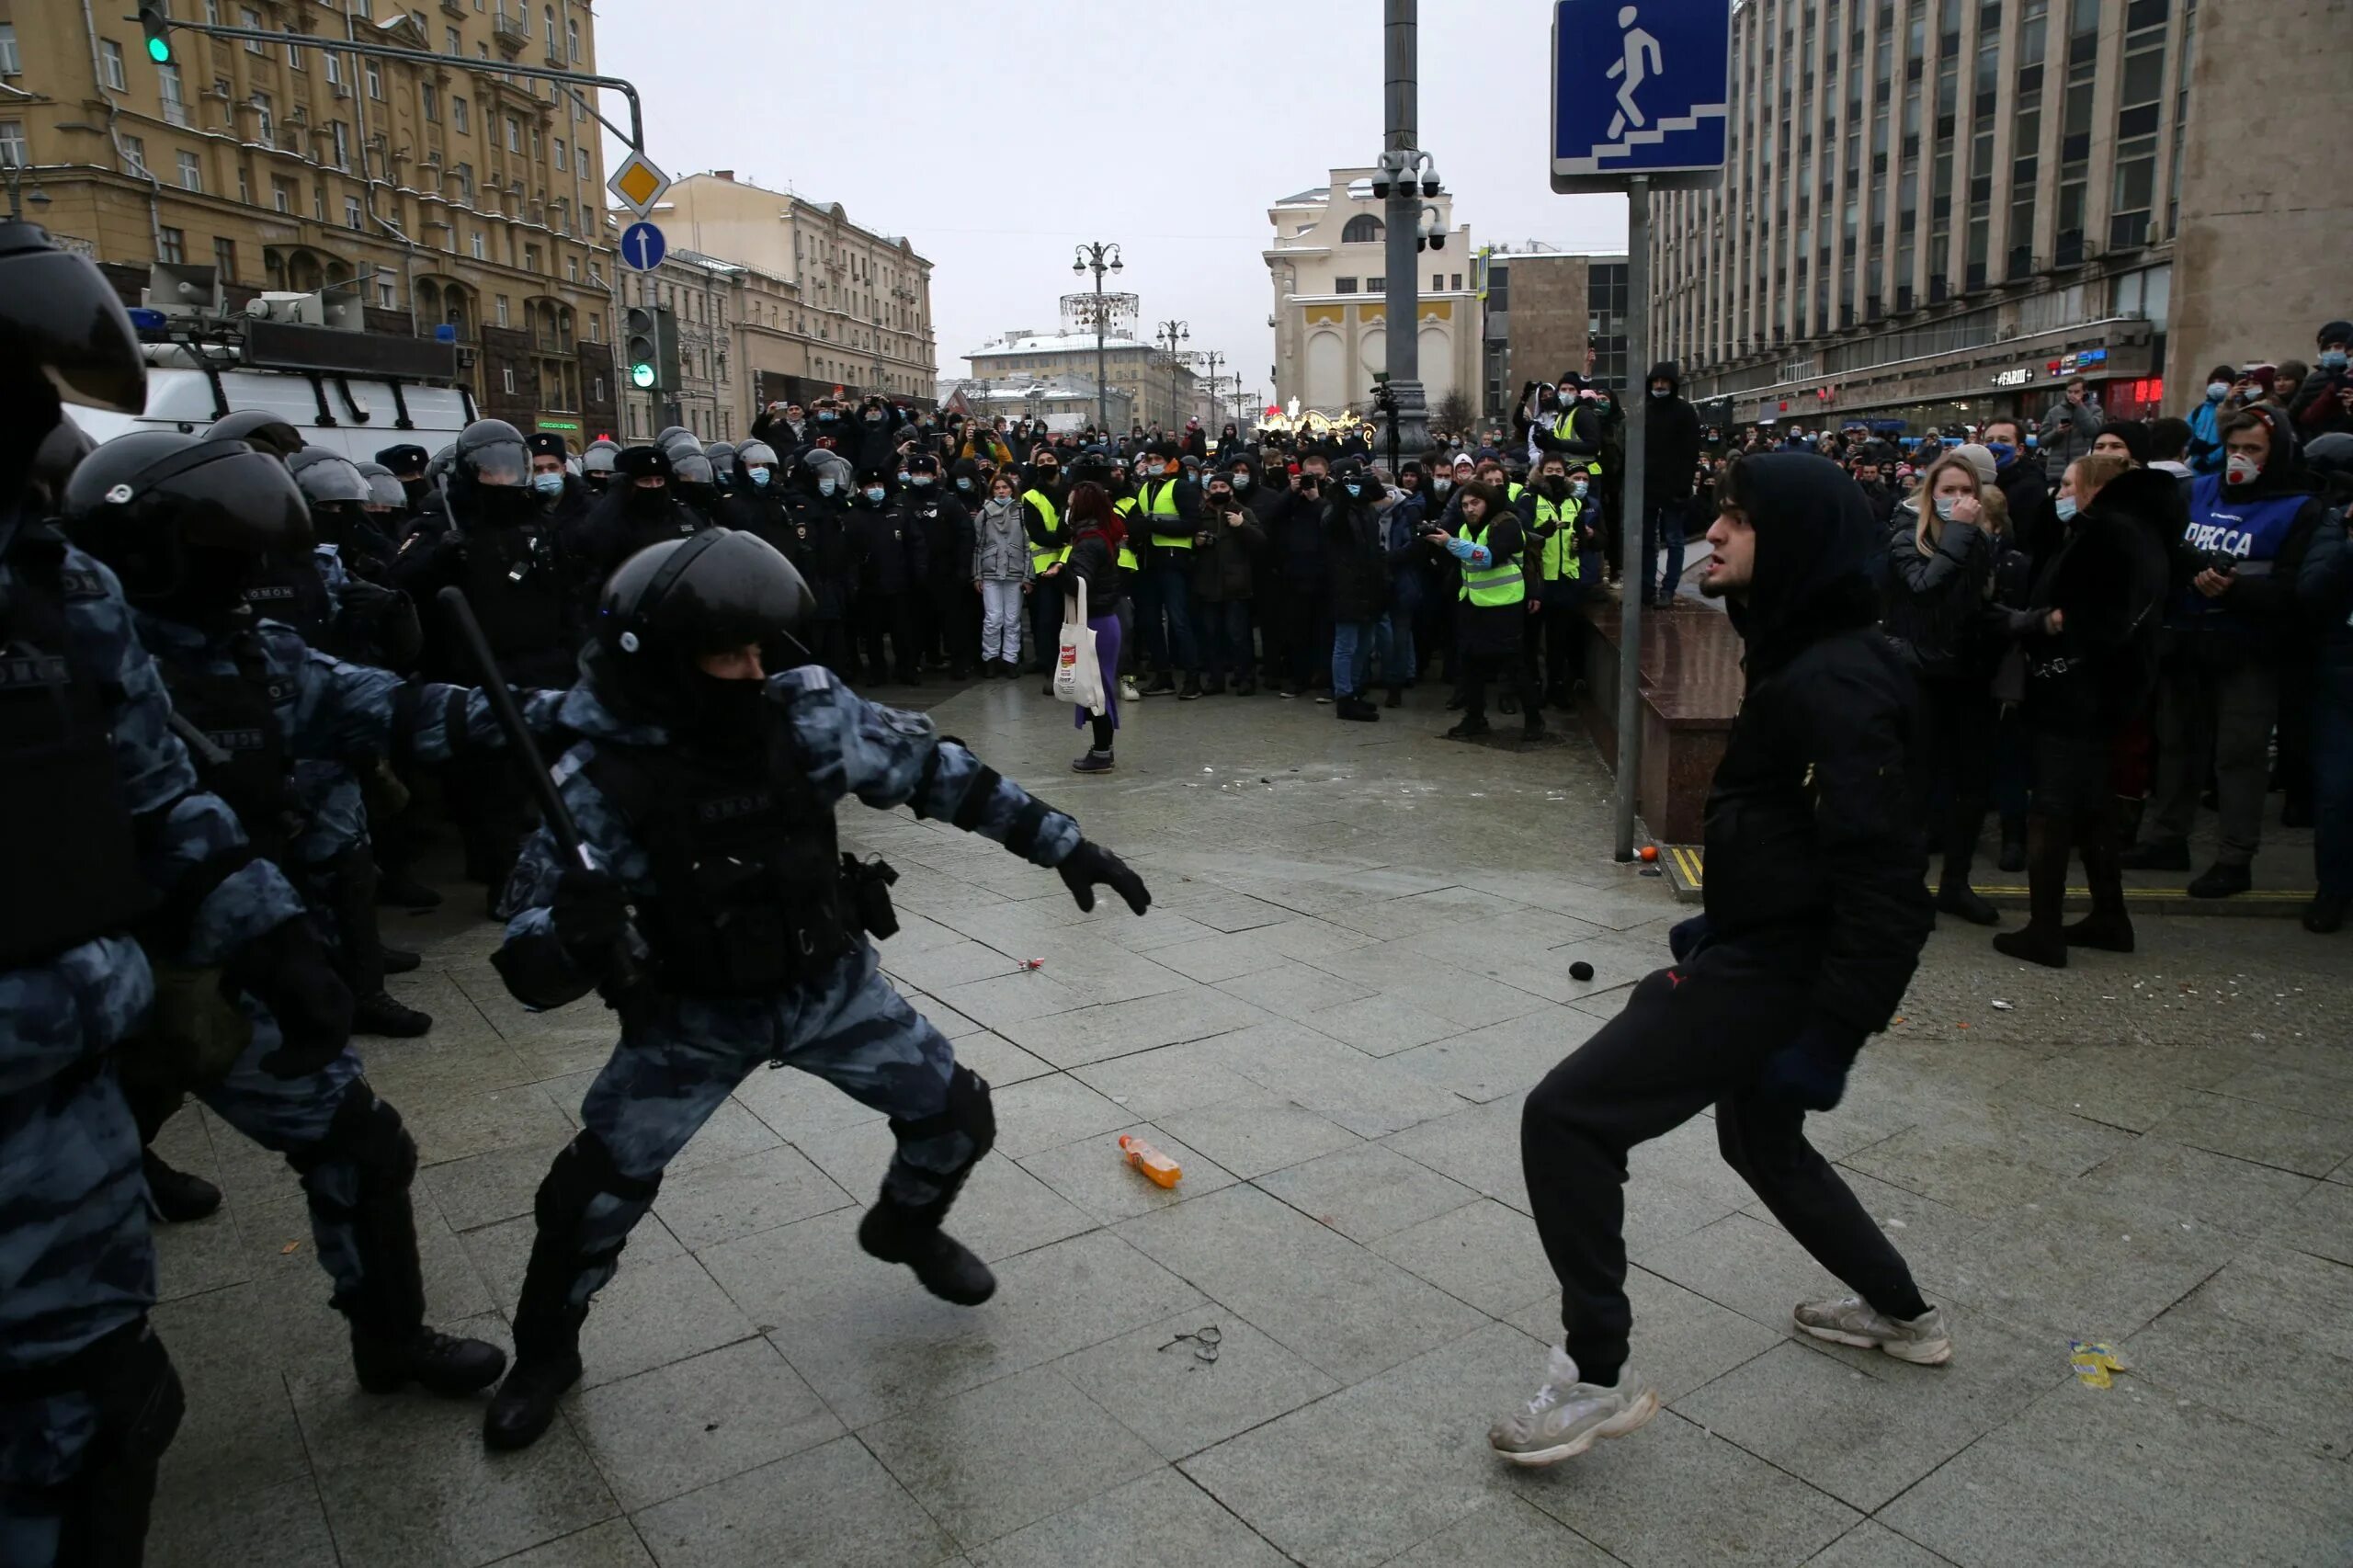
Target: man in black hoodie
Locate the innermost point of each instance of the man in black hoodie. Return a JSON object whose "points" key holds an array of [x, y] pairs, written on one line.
{"points": [[1816, 910], [1670, 453]]}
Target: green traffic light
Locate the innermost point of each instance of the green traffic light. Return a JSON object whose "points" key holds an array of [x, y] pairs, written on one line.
{"points": [[159, 50], [641, 376]]}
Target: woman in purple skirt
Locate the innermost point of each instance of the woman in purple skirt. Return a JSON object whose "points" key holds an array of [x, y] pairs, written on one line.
{"points": [[1094, 559]]}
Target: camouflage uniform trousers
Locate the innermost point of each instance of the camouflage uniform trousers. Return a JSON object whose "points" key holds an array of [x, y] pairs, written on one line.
{"points": [[678, 1061], [76, 1259]]}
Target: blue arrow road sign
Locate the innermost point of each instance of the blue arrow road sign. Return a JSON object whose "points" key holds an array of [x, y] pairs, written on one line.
{"points": [[1640, 86], [642, 247]]}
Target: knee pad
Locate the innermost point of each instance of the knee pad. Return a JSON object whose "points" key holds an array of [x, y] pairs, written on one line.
{"points": [[367, 1132], [968, 1111], [584, 1170]]}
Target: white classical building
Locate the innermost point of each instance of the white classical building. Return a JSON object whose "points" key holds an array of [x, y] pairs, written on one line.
{"points": [[1329, 268]]}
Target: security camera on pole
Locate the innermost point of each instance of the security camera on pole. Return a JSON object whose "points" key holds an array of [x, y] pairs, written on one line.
{"points": [[1640, 98]]}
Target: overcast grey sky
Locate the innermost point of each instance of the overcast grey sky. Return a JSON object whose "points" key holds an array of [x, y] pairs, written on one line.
{"points": [[998, 136]]}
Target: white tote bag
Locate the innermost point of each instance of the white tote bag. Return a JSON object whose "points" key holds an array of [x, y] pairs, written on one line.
{"points": [[1078, 677]]}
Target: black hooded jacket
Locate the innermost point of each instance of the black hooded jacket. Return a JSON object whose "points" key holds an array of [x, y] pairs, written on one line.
{"points": [[1812, 835], [1670, 438]]}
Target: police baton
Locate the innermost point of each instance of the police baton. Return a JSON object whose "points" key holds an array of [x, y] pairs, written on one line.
{"points": [[623, 973]]}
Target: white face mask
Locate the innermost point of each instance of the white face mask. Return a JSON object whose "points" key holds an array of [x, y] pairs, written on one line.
{"points": [[2241, 468], [2065, 508], [824, 487], [1944, 507], [2217, 390]]}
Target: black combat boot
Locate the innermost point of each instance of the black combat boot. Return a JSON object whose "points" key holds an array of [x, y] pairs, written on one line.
{"points": [[547, 1362], [897, 1233], [380, 1015], [175, 1196], [391, 1345]]}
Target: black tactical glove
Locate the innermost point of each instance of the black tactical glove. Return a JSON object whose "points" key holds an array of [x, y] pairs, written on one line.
{"points": [[591, 912], [285, 970], [1089, 864]]}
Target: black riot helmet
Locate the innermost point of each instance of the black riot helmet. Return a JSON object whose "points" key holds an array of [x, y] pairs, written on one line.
{"points": [[54, 460], [328, 477], [723, 460], [672, 603], [259, 428], [63, 325], [185, 521], [493, 452], [490, 475], [385, 493], [692, 480]]}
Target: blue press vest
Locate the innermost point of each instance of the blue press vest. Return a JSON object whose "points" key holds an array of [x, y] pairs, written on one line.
{"points": [[2251, 530]]}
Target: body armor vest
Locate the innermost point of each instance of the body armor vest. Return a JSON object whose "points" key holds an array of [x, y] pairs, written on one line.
{"points": [[65, 825], [245, 764], [748, 894]]}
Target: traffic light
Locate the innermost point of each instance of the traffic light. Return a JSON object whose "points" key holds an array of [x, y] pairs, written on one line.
{"points": [[666, 347], [640, 348], [156, 23]]}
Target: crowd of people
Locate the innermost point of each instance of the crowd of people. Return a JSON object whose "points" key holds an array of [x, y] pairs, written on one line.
{"points": [[1311, 568]]}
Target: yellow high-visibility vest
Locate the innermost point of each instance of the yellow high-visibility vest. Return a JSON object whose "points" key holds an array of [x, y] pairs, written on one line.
{"points": [[1043, 556], [1559, 558], [1126, 507], [1160, 504], [1499, 584]]}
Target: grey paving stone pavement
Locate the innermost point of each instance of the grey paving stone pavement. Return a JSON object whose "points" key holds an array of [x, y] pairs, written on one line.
{"points": [[1356, 965]]}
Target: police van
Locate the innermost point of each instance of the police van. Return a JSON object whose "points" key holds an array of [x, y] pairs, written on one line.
{"points": [[300, 357]]}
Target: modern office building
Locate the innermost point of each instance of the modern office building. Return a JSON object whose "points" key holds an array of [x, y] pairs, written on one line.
{"points": [[434, 190], [1329, 268], [1546, 312], [860, 305], [1160, 390], [1938, 210]]}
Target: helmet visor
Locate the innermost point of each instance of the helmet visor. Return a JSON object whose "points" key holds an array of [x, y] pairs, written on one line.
{"points": [[500, 462]]}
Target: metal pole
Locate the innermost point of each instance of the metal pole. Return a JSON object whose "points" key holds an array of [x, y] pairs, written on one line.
{"points": [[1634, 580], [1401, 115], [1102, 391]]}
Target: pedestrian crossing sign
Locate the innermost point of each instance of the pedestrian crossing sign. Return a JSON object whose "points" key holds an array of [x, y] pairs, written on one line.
{"points": [[1640, 87]]}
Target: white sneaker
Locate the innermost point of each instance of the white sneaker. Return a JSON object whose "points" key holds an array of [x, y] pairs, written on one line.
{"points": [[1127, 692], [1922, 1340], [1566, 1415]]}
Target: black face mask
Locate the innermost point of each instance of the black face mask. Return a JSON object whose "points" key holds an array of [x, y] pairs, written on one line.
{"points": [[1046, 474], [729, 716], [505, 505], [417, 490], [647, 503], [212, 590], [1553, 485]]}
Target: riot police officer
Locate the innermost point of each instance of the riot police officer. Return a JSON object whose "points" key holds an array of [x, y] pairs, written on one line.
{"points": [[185, 524], [946, 629], [695, 483], [827, 552], [756, 504], [597, 465], [507, 557], [704, 789], [101, 815], [890, 574]]}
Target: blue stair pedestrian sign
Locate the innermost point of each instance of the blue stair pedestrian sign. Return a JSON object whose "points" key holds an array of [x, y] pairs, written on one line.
{"points": [[642, 247], [1640, 87]]}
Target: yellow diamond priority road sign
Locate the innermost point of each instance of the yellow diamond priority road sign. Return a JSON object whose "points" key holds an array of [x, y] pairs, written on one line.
{"points": [[638, 184]]}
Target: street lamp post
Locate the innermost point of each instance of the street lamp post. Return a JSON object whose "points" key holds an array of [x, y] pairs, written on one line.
{"points": [[1168, 335], [1098, 258], [1213, 358], [1402, 183]]}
